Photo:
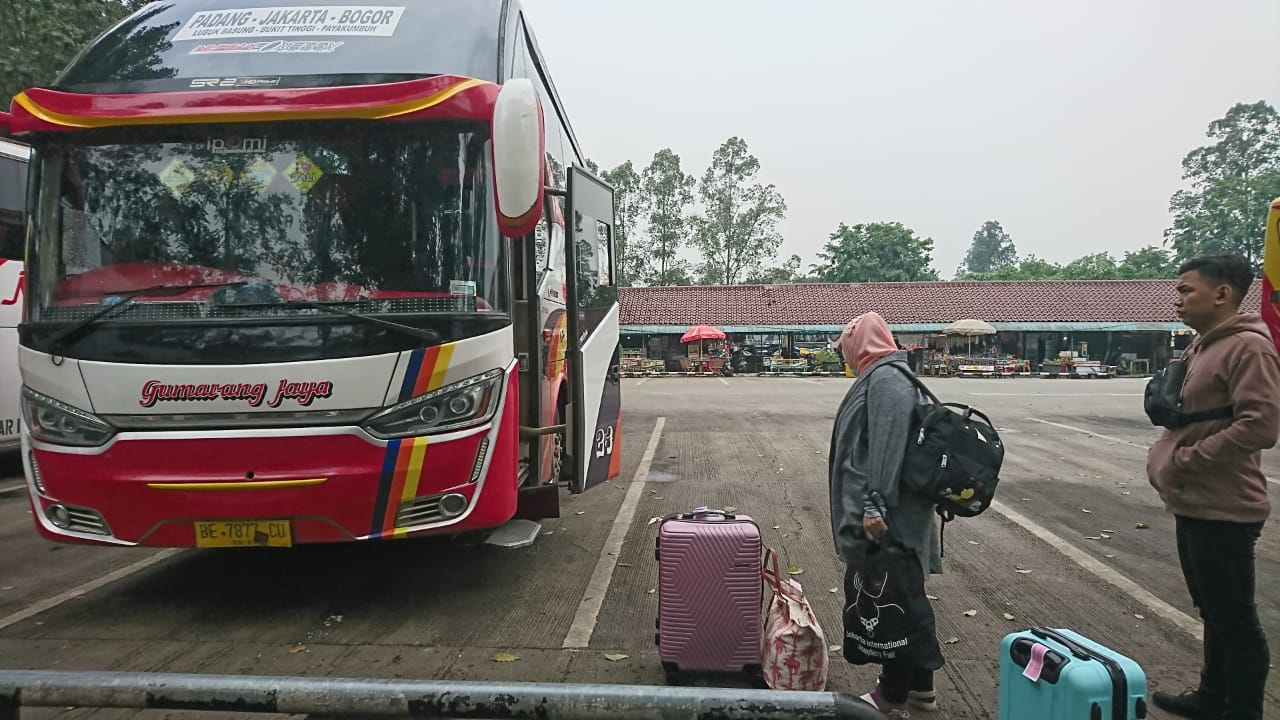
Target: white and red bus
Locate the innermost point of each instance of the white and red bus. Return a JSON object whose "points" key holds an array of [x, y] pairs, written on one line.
{"points": [[13, 183], [298, 274]]}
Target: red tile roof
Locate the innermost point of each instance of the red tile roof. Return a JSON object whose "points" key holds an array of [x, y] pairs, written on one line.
{"points": [[1119, 301]]}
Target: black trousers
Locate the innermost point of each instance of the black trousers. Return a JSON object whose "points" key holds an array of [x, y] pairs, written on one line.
{"points": [[897, 679], [1218, 564]]}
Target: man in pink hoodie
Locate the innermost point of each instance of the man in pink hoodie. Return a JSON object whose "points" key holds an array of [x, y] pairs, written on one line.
{"points": [[1210, 478]]}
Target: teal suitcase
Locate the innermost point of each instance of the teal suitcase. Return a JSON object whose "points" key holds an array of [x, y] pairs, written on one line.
{"points": [[1061, 675]]}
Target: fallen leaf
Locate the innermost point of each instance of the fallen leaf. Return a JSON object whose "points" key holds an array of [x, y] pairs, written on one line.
{"points": [[1107, 532], [1126, 492], [653, 520], [974, 542], [6, 587], [1109, 555], [652, 591], [1023, 572], [952, 640], [624, 564], [1026, 499], [731, 509], [581, 512], [1140, 617], [505, 657], [835, 648], [795, 571], [1007, 616], [615, 657], [775, 527], [1086, 511], [932, 597], [1092, 537], [298, 649], [834, 590], [970, 613], [1141, 526]]}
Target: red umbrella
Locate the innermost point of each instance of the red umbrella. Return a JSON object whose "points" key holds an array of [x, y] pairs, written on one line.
{"points": [[702, 332]]}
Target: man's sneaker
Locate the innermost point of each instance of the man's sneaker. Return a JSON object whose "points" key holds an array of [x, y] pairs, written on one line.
{"points": [[1191, 704], [926, 700], [893, 710]]}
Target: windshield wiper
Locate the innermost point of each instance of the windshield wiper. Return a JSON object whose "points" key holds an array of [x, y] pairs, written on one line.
{"points": [[59, 339], [429, 336]]}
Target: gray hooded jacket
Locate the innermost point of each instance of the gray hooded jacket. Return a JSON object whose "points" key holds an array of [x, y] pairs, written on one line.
{"points": [[867, 447]]}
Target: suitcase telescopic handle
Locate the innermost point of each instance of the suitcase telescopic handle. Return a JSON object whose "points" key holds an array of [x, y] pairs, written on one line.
{"points": [[1072, 646], [705, 512]]}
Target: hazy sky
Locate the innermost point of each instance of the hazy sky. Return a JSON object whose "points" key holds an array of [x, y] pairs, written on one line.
{"points": [[1067, 122]]}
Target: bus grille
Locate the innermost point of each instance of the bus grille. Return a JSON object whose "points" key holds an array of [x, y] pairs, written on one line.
{"points": [[419, 511], [86, 520]]}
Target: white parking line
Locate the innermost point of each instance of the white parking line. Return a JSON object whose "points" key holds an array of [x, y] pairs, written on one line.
{"points": [[50, 603], [12, 488], [722, 380], [1108, 438], [1100, 436], [584, 620], [1106, 573], [642, 381]]}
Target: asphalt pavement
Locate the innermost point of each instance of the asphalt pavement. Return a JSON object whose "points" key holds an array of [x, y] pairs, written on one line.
{"points": [[1075, 515]]}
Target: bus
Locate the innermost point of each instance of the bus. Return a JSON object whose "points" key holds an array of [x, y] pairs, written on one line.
{"points": [[1271, 272], [307, 274], [13, 183]]}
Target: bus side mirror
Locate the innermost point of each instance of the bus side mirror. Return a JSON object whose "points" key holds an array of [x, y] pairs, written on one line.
{"points": [[518, 152], [5, 120]]}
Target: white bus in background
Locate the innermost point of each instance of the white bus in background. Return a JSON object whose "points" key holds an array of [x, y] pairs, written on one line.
{"points": [[13, 183]]}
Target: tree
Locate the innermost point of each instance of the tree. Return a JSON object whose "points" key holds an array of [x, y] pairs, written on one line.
{"points": [[787, 272], [1148, 263], [666, 192], [627, 204], [1232, 180], [737, 231], [38, 39], [1097, 266], [878, 252], [992, 250]]}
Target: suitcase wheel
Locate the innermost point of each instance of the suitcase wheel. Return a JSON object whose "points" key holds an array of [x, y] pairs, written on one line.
{"points": [[672, 673]]}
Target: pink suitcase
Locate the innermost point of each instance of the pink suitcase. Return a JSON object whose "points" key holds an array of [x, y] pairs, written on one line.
{"points": [[710, 593]]}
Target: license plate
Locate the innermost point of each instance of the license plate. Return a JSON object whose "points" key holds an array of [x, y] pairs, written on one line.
{"points": [[244, 533]]}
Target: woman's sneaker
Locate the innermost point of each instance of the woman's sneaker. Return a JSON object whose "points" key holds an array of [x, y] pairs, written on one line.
{"points": [[926, 700], [893, 710]]}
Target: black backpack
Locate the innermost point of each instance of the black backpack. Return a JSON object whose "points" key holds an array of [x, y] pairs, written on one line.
{"points": [[1163, 400], [953, 455]]}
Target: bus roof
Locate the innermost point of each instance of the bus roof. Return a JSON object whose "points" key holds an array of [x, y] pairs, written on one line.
{"points": [[283, 43]]}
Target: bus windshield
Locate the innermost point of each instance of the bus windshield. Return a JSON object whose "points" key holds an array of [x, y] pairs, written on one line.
{"points": [[394, 217]]}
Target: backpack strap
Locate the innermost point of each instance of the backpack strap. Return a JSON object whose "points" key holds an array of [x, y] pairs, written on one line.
{"points": [[1221, 413]]}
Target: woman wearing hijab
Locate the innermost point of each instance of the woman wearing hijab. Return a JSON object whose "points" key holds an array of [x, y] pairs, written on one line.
{"points": [[867, 447]]}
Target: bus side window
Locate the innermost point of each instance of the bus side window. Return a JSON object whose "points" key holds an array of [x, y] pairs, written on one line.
{"points": [[13, 180]]}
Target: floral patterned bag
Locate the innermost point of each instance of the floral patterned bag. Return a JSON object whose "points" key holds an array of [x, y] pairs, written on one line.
{"points": [[795, 649]]}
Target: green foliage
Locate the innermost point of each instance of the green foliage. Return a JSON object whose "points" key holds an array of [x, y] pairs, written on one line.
{"points": [[1231, 182], [627, 205], [878, 252], [38, 39], [992, 250], [787, 272], [666, 193], [737, 230]]}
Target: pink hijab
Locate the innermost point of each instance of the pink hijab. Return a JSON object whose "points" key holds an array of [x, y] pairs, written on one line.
{"points": [[866, 339]]}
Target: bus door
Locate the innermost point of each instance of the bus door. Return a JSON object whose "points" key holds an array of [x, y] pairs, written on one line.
{"points": [[592, 308], [13, 183], [1271, 272]]}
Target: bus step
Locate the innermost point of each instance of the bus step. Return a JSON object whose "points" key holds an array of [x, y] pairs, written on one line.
{"points": [[514, 534]]}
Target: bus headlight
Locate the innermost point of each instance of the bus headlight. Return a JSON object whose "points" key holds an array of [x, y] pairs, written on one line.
{"points": [[58, 423], [464, 404]]}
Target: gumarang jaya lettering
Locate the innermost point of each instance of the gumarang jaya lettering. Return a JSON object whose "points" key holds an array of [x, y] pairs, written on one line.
{"points": [[304, 392]]}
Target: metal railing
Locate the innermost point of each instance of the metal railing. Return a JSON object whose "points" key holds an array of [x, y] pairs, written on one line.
{"points": [[339, 697]]}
